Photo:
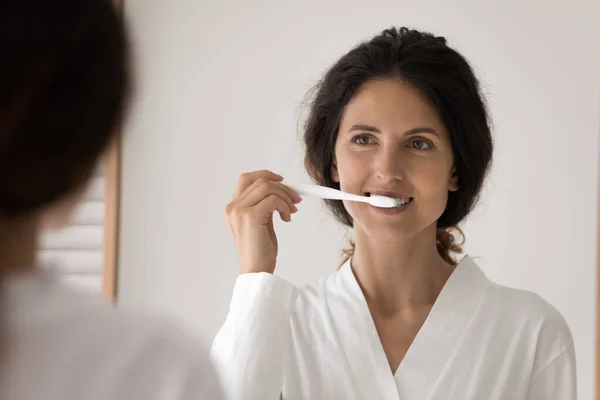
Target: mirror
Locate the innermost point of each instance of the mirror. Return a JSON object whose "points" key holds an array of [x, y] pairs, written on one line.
{"points": [[222, 89]]}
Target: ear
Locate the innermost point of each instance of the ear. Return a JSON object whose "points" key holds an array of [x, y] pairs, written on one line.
{"points": [[335, 176], [453, 182]]}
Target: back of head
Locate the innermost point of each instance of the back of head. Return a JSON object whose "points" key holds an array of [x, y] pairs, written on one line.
{"points": [[63, 86], [446, 80]]}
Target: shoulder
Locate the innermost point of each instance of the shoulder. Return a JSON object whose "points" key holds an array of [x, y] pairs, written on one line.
{"points": [[523, 311], [338, 290], [95, 343], [162, 356], [529, 316], [315, 293], [157, 354], [526, 306]]}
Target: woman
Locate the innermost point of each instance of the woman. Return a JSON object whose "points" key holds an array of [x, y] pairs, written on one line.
{"points": [[63, 81], [401, 115]]}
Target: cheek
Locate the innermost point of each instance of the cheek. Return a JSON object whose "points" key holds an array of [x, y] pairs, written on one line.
{"points": [[431, 183], [353, 170]]}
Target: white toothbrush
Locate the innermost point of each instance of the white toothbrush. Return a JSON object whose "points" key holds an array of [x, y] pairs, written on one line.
{"points": [[333, 194]]}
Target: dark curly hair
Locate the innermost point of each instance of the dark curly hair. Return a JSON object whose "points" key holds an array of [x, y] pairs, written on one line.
{"points": [[445, 78]]}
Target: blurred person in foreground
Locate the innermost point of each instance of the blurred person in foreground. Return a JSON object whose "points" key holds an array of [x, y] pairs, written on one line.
{"points": [[63, 90]]}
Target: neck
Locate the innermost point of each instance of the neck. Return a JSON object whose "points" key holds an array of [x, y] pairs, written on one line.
{"points": [[18, 244], [400, 274]]}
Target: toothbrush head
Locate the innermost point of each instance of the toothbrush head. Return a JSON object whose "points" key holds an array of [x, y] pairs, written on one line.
{"points": [[383, 201]]}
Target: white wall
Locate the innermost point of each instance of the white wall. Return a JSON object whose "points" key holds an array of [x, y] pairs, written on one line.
{"points": [[220, 86]]}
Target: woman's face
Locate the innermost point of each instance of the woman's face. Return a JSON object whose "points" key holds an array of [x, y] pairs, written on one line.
{"points": [[392, 142]]}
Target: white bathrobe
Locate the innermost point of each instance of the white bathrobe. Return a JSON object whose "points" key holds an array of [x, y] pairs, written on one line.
{"points": [[481, 341]]}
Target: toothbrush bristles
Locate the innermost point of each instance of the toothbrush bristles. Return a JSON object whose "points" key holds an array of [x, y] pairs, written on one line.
{"points": [[384, 201]]}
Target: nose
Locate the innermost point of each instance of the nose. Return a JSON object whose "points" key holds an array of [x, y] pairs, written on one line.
{"points": [[389, 164]]}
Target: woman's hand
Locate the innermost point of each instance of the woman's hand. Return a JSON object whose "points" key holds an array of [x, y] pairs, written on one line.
{"points": [[250, 216]]}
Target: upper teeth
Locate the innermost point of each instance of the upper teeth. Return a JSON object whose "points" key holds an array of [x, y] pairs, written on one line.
{"points": [[401, 202]]}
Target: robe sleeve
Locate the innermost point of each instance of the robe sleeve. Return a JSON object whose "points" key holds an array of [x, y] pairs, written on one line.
{"points": [[557, 380], [249, 350]]}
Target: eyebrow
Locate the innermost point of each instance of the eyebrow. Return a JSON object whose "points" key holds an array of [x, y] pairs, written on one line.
{"points": [[410, 132]]}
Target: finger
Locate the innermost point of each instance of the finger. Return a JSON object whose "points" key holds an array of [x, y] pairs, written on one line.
{"points": [[260, 190], [271, 204], [291, 192], [247, 179]]}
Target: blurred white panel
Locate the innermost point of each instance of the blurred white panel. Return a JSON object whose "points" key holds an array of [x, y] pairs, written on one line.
{"points": [[75, 253], [96, 189], [74, 238], [72, 262], [89, 213]]}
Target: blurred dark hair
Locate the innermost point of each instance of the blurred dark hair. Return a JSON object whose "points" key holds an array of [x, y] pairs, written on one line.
{"points": [[63, 89], [445, 78]]}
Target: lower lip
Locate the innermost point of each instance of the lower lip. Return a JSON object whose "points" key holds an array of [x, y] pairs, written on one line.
{"points": [[392, 211]]}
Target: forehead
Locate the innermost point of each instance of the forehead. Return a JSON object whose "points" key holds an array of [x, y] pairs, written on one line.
{"points": [[390, 104]]}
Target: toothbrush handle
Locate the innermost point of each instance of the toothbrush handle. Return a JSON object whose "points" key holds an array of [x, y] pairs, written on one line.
{"points": [[323, 192]]}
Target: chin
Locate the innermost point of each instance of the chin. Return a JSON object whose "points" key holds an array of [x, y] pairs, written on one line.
{"points": [[388, 227]]}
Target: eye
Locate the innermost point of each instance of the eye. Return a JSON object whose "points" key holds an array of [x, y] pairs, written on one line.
{"points": [[420, 144], [363, 140]]}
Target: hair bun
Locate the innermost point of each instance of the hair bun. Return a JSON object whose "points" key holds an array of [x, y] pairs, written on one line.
{"points": [[446, 240]]}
